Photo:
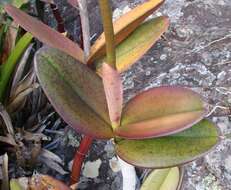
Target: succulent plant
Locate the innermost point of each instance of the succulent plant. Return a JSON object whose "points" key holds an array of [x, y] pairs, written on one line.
{"points": [[158, 128]]}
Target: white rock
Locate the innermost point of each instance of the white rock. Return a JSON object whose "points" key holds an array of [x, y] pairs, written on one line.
{"points": [[114, 164], [91, 169]]}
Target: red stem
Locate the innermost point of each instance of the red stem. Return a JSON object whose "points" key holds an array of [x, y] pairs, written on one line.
{"points": [[59, 19], [79, 158]]}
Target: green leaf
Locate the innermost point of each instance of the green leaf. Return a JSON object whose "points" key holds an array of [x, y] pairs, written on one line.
{"points": [[162, 179], [171, 150], [75, 91], [16, 3], [138, 43], [159, 112], [15, 185], [8, 67], [3, 31]]}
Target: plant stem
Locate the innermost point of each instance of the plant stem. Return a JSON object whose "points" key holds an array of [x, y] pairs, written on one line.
{"points": [[106, 15], [59, 20], [79, 158], [85, 27]]}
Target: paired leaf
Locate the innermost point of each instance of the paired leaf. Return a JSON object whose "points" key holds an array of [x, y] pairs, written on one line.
{"points": [[163, 179], [138, 43], [75, 91], [160, 111], [45, 34], [124, 26], [171, 150], [114, 93]]}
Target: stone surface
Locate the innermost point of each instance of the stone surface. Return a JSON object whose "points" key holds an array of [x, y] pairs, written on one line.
{"points": [[196, 53]]}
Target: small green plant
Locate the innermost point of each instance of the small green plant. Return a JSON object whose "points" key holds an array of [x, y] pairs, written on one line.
{"points": [[12, 47], [159, 128], [7, 68]]}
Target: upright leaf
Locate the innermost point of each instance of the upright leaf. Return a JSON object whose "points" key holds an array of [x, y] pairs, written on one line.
{"points": [[8, 67], [164, 152], [160, 111], [138, 43], [75, 91], [114, 93], [123, 26], [45, 34]]}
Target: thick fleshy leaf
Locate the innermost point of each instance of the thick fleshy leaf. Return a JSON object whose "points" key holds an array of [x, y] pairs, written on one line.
{"points": [[138, 43], [114, 93], [75, 91], [171, 150], [124, 26], [162, 179], [44, 33], [159, 112]]}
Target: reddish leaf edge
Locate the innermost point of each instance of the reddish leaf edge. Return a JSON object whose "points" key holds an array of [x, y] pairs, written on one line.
{"points": [[66, 115], [16, 13], [172, 132], [205, 110], [219, 139]]}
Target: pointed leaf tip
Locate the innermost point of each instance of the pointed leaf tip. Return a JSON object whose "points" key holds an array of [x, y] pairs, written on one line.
{"points": [[137, 43], [44, 33], [169, 151]]}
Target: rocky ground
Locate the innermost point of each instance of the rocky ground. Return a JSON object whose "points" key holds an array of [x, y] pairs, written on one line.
{"points": [[195, 52]]}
